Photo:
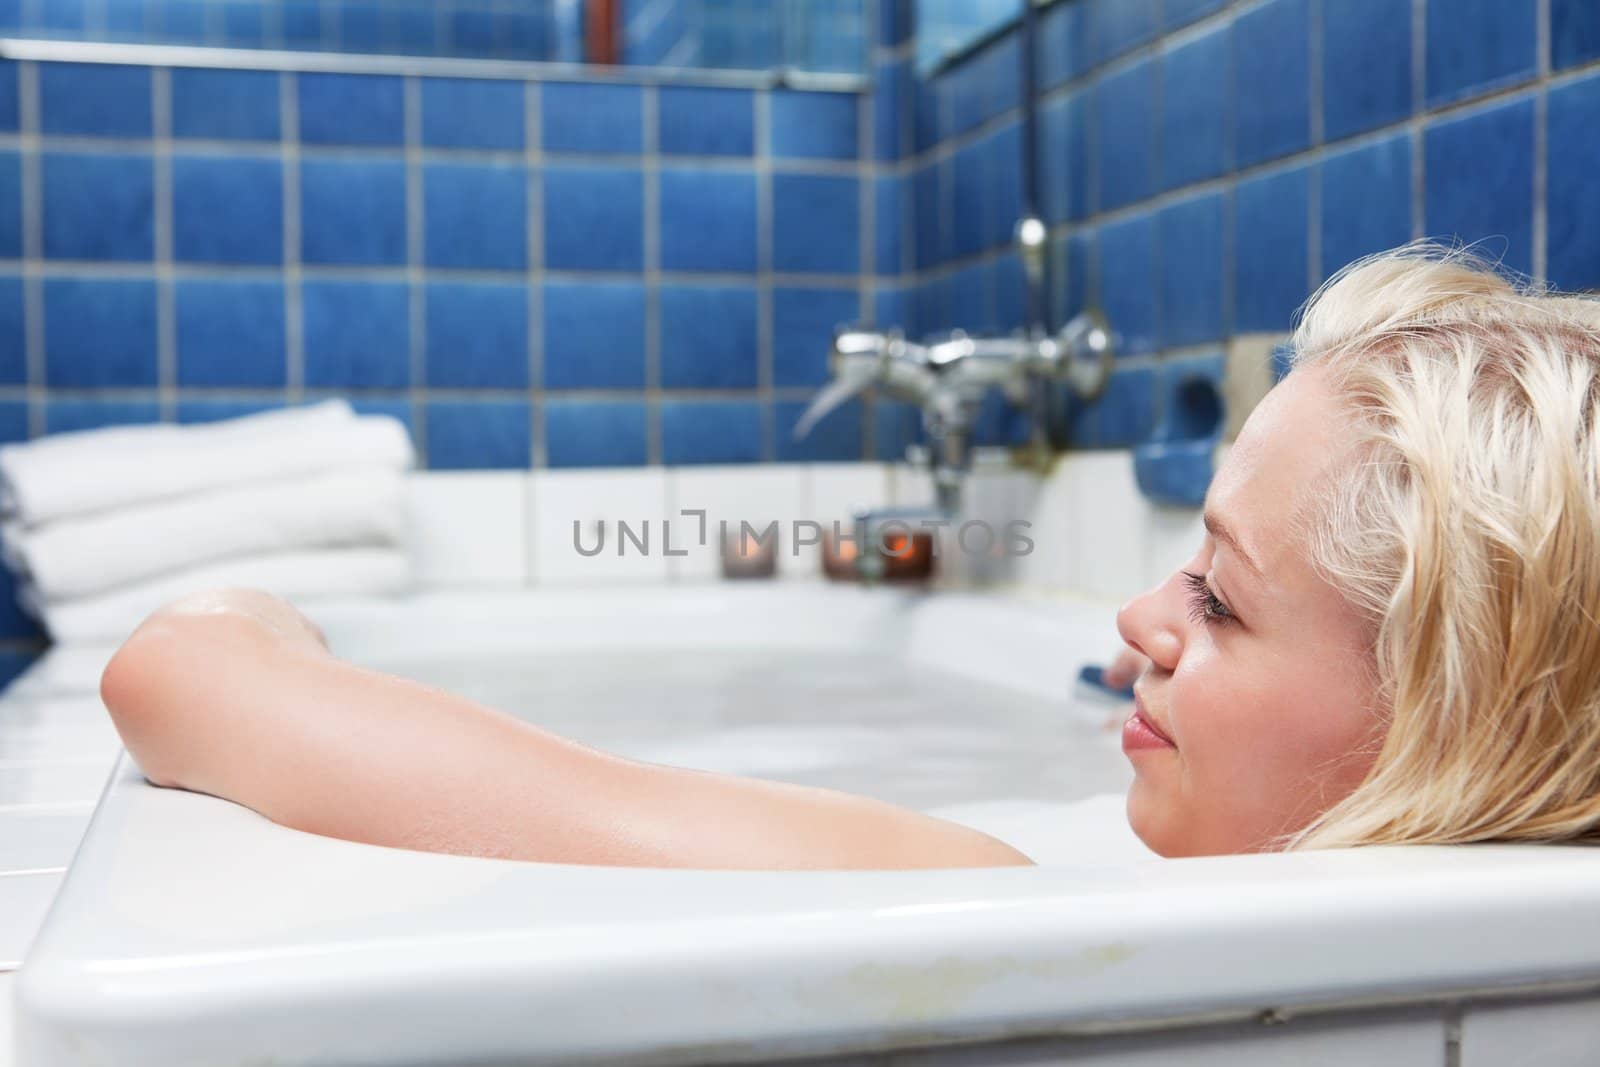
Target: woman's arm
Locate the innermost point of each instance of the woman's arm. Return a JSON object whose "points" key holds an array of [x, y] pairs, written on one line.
{"points": [[235, 694]]}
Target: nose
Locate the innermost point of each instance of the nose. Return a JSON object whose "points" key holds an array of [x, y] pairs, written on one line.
{"points": [[1149, 626]]}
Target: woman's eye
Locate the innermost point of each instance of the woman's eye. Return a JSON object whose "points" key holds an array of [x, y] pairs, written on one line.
{"points": [[1203, 603]]}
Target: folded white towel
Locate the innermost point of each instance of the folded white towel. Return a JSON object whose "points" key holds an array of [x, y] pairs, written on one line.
{"points": [[88, 554], [96, 470], [309, 575]]}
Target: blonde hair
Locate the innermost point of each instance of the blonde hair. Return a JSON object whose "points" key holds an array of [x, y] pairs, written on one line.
{"points": [[1466, 530]]}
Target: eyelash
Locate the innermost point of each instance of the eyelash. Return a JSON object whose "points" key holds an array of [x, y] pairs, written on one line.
{"points": [[1204, 607]]}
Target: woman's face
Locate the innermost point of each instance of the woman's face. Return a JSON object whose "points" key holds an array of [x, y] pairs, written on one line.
{"points": [[1259, 690]]}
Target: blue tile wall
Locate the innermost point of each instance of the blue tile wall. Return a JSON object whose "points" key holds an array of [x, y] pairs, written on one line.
{"points": [[230, 333], [1205, 164], [1495, 145], [570, 301]]}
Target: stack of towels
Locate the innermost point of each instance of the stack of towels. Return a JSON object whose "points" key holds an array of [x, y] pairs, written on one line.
{"points": [[102, 527]]}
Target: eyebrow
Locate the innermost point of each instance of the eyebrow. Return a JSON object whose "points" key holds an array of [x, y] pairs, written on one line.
{"points": [[1220, 532]]}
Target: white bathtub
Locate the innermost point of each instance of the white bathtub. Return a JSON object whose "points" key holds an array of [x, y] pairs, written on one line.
{"points": [[192, 932]]}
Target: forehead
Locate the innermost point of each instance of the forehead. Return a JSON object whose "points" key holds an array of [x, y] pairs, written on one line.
{"points": [[1285, 448]]}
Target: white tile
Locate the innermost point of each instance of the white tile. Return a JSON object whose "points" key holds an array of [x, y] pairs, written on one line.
{"points": [[24, 899], [910, 486], [37, 841], [598, 501], [1172, 537], [1552, 1034], [469, 528], [1110, 547], [838, 491], [758, 495], [53, 785], [1053, 513], [56, 742]]}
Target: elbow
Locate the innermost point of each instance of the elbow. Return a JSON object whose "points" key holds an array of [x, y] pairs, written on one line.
{"points": [[138, 690]]}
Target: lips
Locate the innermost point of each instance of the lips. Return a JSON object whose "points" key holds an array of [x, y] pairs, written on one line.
{"points": [[1141, 732]]}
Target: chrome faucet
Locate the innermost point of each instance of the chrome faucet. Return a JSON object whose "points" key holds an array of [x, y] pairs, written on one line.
{"points": [[948, 378]]}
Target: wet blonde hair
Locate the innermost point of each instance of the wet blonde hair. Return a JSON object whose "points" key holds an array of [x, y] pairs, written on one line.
{"points": [[1466, 530]]}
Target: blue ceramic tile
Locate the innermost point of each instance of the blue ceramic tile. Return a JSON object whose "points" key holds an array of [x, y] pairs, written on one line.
{"points": [[69, 416], [1272, 102], [698, 121], [803, 324], [1000, 201], [94, 101], [230, 333], [1063, 160], [1175, 13], [710, 431], [1192, 271], [596, 433], [593, 218], [966, 225], [1196, 85], [357, 334], [1366, 201], [239, 105], [891, 308], [962, 97], [708, 337], [473, 113], [61, 18], [477, 336], [896, 425], [227, 210], [889, 224], [477, 215], [1128, 283], [13, 353], [891, 94], [400, 410], [930, 217], [1074, 287], [353, 211], [1062, 49], [243, 27], [10, 15], [927, 120], [99, 333], [1122, 415], [354, 109], [479, 434], [9, 116], [1115, 26], [808, 125], [1477, 45], [816, 224], [931, 306], [838, 437], [1573, 155], [896, 22], [594, 335], [302, 24], [1271, 275], [591, 118], [182, 21], [708, 219], [99, 207], [1574, 32], [360, 28], [1008, 295], [10, 205], [1479, 173], [1124, 105], [1366, 65], [968, 298]]}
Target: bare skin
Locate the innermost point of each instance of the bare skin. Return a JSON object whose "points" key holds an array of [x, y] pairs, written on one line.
{"points": [[235, 694]]}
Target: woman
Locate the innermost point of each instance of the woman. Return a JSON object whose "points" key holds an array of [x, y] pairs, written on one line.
{"points": [[1387, 636]]}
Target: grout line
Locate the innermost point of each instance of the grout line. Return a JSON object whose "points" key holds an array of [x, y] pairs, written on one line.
{"points": [[166, 286], [293, 241], [32, 247], [534, 176], [415, 239], [1541, 147], [867, 244], [764, 276], [650, 104]]}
